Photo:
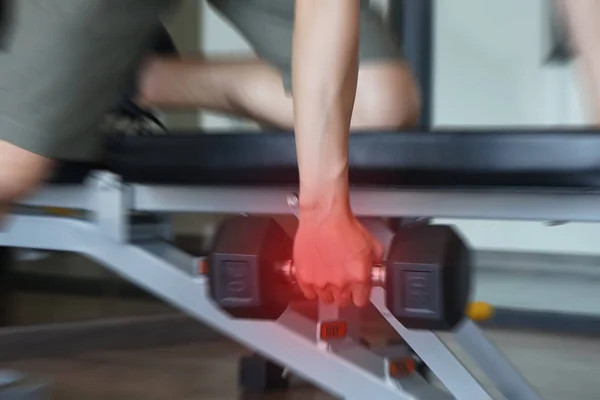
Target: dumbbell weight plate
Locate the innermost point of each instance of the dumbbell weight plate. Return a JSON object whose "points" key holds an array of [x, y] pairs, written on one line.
{"points": [[244, 279], [428, 277]]}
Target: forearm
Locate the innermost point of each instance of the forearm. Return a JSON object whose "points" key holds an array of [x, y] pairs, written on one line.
{"points": [[583, 18], [325, 74]]}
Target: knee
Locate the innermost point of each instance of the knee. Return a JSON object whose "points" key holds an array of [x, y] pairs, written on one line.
{"points": [[387, 97], [21, 172]]}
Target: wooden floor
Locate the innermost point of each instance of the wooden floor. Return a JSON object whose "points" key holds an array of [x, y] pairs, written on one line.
{"points": [[561, 368], [204, 371]]}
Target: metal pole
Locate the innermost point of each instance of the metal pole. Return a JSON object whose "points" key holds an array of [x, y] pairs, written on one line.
{"points": [[5, 286], [413, 23], [6, 20]]}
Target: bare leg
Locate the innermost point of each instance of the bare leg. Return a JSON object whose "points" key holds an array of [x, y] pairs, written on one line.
{"points": [[387, 96], [583, 18], [20, 173]]}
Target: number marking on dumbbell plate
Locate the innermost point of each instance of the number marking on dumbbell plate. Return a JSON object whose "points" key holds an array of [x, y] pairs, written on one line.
{"points": [[333, 330], [238, 286]]}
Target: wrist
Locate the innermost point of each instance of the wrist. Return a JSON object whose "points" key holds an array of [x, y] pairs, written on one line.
{"points": [[325, 199]]}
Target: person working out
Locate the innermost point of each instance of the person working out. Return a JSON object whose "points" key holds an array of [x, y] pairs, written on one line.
{"points": [[65, 62]]}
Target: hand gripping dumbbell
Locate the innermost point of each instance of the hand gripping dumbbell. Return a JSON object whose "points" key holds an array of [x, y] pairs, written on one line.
{"points": [[427, 274]]}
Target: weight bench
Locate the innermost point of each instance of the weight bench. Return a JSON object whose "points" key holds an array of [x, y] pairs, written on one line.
{"points": [[120, 218]]}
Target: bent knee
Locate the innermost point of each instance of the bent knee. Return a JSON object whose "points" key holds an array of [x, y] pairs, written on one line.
{"points": [[21, 172], [387, 97]]}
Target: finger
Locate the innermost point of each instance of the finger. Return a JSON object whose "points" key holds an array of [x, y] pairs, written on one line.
{"points": [[342, 297], [307, 290], [325, 295], [361, 293]]}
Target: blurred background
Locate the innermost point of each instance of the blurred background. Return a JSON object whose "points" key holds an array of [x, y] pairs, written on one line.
{"points": [[492, 68]]}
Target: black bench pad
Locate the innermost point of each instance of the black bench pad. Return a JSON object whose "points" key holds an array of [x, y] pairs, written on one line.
{"points": [[568, 159]]}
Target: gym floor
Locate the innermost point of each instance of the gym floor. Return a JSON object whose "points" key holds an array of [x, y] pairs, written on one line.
{"points": [[561, 367]]}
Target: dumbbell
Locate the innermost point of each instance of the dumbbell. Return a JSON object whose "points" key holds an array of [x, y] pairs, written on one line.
{"points": [[427, 275]]}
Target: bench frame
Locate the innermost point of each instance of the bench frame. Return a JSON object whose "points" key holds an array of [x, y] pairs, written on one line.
{"points": [[126, 228]]}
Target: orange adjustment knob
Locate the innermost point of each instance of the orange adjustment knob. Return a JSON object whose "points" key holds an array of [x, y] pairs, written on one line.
{"points": [[333, 330], [479, 311], [402, 367], [203, 268]]}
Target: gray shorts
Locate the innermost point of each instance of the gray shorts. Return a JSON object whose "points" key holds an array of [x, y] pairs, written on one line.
{"points": [[268, 26], [66, 61]]}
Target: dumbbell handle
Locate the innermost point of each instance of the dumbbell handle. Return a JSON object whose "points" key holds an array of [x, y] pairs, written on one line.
{"points": [[288, 269], [477, 311]]}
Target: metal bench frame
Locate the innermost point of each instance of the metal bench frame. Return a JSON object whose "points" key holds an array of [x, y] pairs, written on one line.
{"points": [[126, 228]]}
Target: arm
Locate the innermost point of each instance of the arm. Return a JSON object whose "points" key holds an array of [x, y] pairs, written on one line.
{"points": [[332, 251], [583, 18], [325, 74]]}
